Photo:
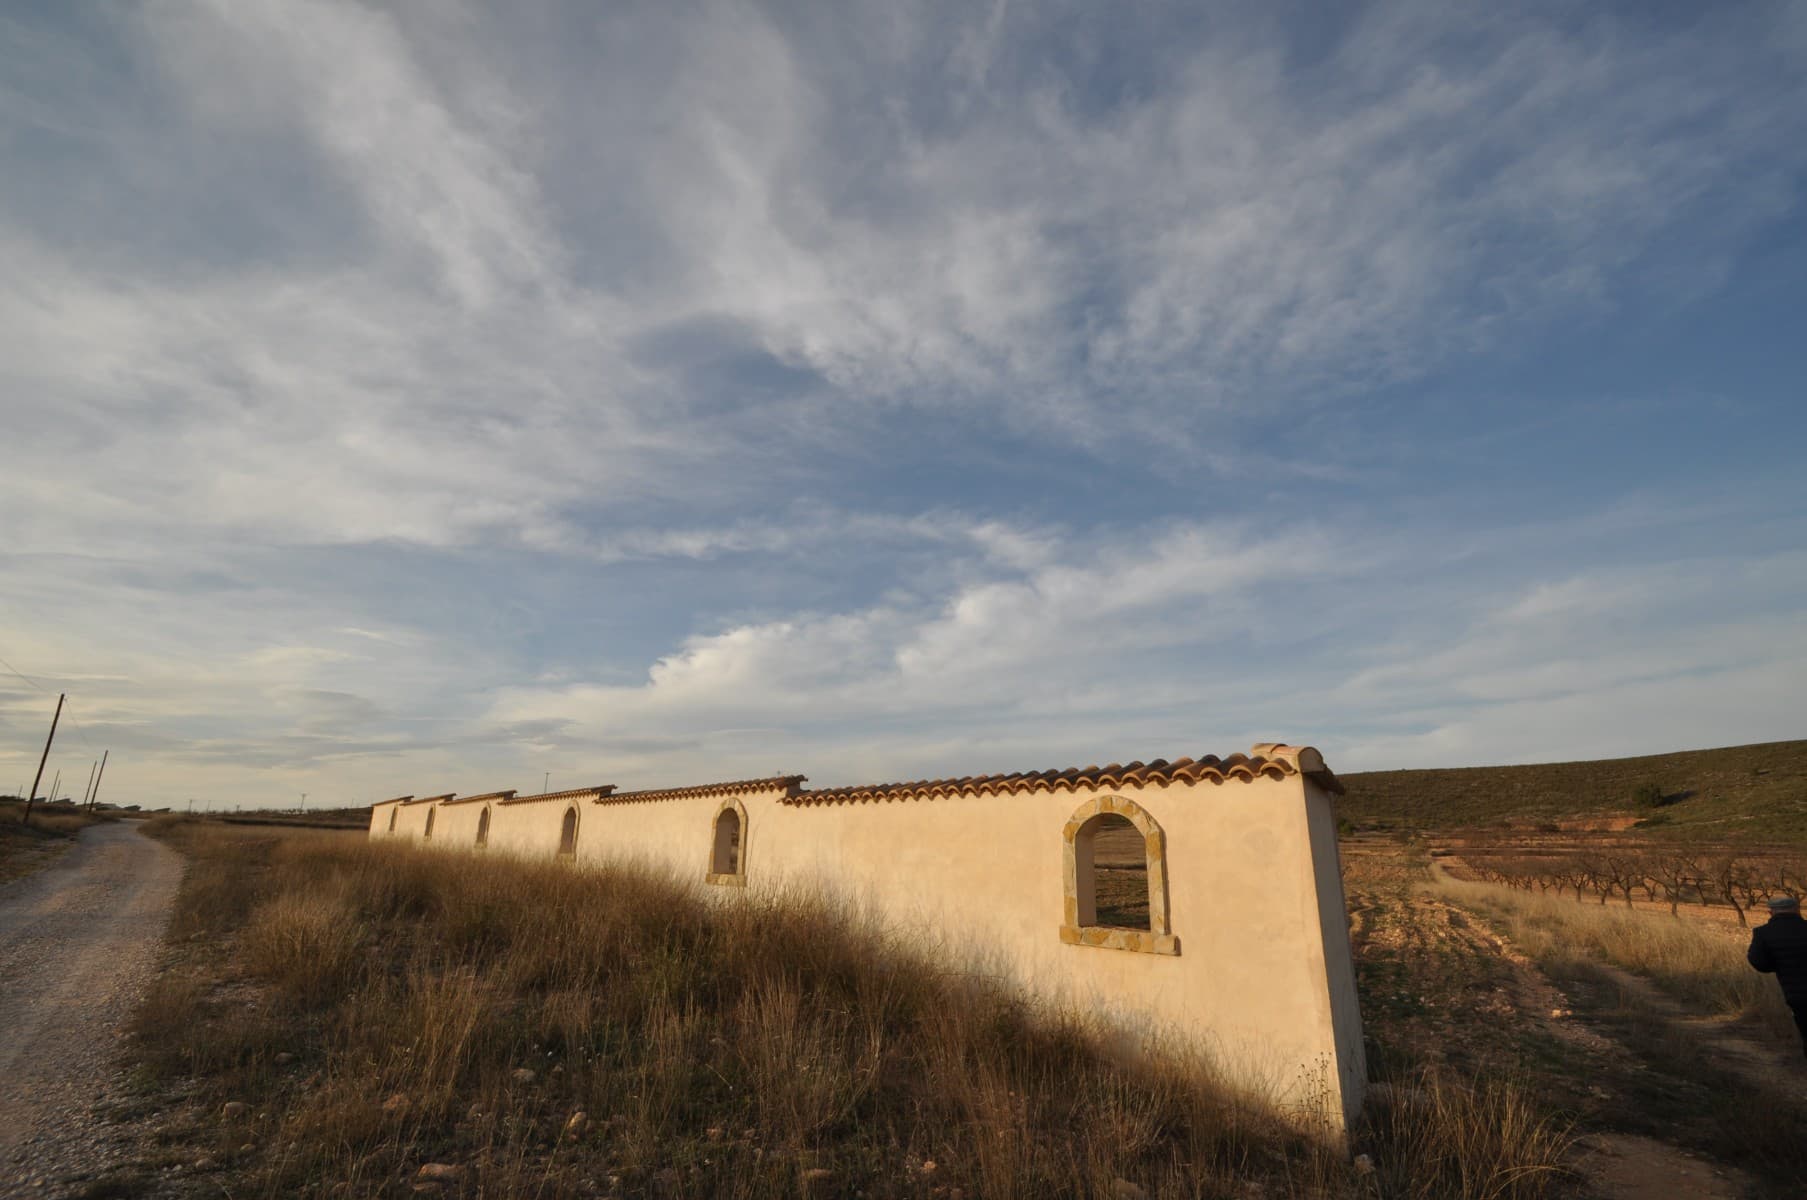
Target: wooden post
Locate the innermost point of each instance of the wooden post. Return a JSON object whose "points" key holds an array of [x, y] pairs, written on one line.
{"points": [[43, 758], [90, 786], [95, 798], [54, 785]]}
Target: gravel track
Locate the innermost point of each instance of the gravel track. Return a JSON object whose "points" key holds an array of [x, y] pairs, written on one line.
{"points": [[78, 944]]}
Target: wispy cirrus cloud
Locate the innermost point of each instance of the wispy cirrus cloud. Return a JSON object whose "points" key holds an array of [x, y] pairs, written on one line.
{"points": [[679, 377]]}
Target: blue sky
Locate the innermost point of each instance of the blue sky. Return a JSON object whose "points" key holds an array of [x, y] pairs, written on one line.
{"points": [[426, 397]]}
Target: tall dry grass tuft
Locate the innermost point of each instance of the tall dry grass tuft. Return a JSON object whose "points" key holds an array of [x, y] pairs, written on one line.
{"points": [[388, 1006], [1434, 1136], [808, 1069], [307, 943]]}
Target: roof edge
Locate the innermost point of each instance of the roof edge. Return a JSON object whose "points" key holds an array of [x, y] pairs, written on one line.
{"points": [[502, 796], [1273, 760], [594, 793], [789, 784]]}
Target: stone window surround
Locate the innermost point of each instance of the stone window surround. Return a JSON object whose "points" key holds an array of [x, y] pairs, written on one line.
{"points": [[1158, 937], [736, 878]]}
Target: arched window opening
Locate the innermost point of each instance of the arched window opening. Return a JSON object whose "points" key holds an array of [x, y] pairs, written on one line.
{"points": [[394, 812], [728, 846], [1116, 879], [483, 828], [567, 836], [1119, 882], [429, 832], [726, 860]]}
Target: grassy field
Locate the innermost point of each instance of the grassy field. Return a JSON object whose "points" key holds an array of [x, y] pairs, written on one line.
{"points": [[534, 1030], [1755, 794], [27, 847], [1698, 963], [326, 818]]}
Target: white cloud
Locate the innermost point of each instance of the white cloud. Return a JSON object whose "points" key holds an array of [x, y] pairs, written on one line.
{"points": [[1082, 618], [345, 73], [591, 300], [1221, 249], [1211, 636]]}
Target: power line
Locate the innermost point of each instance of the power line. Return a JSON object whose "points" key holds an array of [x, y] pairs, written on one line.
{"points": [[24, 676], [72, 728]]}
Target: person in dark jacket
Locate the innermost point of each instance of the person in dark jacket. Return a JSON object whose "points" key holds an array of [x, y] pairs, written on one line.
{"points": [[1779, 948]]}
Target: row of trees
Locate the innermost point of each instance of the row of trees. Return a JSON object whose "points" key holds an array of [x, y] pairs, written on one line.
{"points": [[1675, 875]]}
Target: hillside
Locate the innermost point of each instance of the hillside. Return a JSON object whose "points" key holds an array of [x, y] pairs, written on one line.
{"points": [[1752, 793]]}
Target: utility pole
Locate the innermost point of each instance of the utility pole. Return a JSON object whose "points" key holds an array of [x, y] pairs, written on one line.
{"points": [[54, 784], [93, 768], [94, 796], [38, 778], [304, 802], [544, 781]]}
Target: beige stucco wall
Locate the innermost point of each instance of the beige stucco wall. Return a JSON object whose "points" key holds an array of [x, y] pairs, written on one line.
{"points": [[1263, 981], [410, 820]]}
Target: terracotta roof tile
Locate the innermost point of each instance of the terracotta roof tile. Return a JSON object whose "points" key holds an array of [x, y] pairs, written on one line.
{"points": [[502, 796], [592, 793], [1269, 759], [789, 783], [428, 800]]}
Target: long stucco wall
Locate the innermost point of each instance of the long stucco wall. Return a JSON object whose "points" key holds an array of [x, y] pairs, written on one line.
{"points": [[1263, 979]]}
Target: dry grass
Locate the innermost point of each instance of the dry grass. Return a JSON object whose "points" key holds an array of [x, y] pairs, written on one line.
{"points": [[1699, 964], [763, 1047], [1701, 988], [1457, 1139], [56, 820], [27, 846]]}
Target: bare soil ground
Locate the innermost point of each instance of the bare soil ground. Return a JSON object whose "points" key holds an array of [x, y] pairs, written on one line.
{"points": [[78, 943], [1623, 1166], [1668, 1101]]}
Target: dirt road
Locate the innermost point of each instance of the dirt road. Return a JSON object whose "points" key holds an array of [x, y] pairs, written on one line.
{"points": [[78, 942]]}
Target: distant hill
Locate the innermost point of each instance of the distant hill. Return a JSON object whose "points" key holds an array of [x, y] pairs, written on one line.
{"points": [[1738, 793]]}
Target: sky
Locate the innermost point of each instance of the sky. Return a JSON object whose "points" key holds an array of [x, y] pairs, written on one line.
{"points": [[423, 397]]}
